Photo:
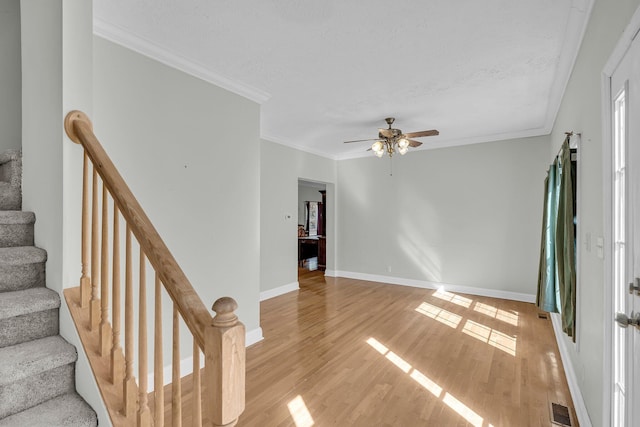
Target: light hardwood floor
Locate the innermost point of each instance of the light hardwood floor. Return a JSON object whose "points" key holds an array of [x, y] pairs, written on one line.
{"points": [[343, 352]]}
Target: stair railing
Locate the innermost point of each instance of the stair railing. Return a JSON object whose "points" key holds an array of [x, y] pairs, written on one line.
{"points": [[216, 395]]}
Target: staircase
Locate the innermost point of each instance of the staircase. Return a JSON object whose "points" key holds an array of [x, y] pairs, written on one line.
{"points": [[37, 366]]}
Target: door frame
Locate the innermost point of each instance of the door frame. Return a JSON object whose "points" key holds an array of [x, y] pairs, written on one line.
{"points": [[616, 57]]}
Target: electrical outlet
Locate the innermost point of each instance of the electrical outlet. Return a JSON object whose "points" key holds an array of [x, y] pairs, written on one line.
{"points": [[388, 269]]}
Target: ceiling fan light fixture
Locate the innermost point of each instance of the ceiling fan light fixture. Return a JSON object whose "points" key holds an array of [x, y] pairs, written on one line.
{"points": [[392, 140], [378, 146]]}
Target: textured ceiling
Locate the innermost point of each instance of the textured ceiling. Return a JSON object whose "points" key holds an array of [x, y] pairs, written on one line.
{"points": [[330, 71]]}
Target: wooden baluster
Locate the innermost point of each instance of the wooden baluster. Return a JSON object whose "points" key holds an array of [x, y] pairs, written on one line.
{"points": [[105, 331], [197, 391], [176, 386], [85, 280], [95, 257], [117, 358], [224, 368], [158, 364], [143, 371], [129, 385]]}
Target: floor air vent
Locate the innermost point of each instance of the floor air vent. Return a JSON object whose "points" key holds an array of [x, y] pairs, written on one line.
{"points": [[542, 316], [560, 415]]}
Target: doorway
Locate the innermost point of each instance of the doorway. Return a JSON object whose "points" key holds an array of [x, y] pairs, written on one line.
{"points": [[312, 226], [622, 180]]}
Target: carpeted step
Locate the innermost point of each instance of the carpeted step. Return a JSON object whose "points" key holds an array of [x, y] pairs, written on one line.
{"points": [[10, 180], [66, 410], [28, 314], [22, 267], [33, 372], [16, 228]]}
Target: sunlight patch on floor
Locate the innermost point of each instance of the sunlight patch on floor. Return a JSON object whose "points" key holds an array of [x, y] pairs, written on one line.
{"points": [[441, 315], [510, 317], [451, 297], [463, 410], [425, 382], [490, 336], [299, 412]]}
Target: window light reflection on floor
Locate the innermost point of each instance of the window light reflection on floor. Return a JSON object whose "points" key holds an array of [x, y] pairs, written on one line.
{"points": [[299, 412], [443, 316], [510, 317], [490, 336], [451, 297], [460, 408]]}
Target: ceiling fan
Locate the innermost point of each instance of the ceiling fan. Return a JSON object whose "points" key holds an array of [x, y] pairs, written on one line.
{"points": [[391, 140]]}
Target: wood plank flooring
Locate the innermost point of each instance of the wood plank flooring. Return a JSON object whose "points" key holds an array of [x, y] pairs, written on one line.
{"points": [[344, 352]]}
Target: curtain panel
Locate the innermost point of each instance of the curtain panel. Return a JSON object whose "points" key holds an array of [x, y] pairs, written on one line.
{"points": [[557, 270]]}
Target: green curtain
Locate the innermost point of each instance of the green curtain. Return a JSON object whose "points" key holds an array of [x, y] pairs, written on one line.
{"points": [[548, 298], [557, 270]]}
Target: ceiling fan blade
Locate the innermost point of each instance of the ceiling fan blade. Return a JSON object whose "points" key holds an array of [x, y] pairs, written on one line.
{"points": [[414, 143], [360, 140], [422, 133]]}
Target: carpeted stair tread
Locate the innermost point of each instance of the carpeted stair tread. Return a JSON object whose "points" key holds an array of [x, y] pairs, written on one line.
{"points": [[16, 228], [22, 255], [22, 267], [17, 217], [18, 303], [33, 357], [66, 410]]}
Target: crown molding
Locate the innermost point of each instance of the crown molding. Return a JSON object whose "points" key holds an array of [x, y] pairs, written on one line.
{"points": [[455, 142], [282, 141], [576, 28], [147, 48]]}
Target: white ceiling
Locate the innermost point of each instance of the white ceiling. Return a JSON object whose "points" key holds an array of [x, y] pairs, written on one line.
{"points": [[329, 71]]}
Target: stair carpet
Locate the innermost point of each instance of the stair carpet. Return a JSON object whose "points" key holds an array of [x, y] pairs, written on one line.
{"points": [[37, 366]]}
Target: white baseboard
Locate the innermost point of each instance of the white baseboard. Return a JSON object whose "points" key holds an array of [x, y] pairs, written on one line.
{"points": [[272, 293], [186, 364], [493, 293], [253, 336], [330, 273], [570, 373]]}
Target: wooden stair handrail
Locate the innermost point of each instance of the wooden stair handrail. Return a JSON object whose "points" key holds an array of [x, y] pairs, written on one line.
{"points": [[195, 314]]}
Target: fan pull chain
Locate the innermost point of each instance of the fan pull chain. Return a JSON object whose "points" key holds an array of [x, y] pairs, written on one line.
{"points": [[390, 166]]}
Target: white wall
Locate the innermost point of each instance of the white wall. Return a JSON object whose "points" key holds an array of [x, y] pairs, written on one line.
{"points": [[281, 167], [580, 111], [190, 153], [10, 76], [56, 46], [466, 216]]}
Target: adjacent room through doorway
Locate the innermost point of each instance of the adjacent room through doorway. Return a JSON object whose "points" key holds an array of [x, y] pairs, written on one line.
{"points": [[312, 222]]}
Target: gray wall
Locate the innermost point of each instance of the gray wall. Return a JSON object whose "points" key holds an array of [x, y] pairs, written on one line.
{"points": [[281, 167], [10, 76], [190, 152], [56, 55], [466, 216], [580, 111]]}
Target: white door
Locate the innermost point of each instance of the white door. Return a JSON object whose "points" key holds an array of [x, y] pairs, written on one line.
{"points": [[625, 106]]}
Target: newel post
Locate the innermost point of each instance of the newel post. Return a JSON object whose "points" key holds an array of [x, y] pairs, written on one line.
{"points": [[224, 368]]}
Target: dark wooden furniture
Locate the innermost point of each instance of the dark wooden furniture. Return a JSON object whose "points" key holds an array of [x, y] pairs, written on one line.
{"points": [[307, 248], [322, 244]]}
